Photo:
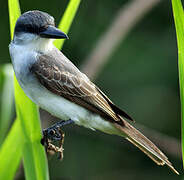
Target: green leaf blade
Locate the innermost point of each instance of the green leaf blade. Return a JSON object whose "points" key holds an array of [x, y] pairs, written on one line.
{"points": [[179, 25], [34, 172], [27, 113], [7, 100], [67, 20], [14, 13], [11, 152]]}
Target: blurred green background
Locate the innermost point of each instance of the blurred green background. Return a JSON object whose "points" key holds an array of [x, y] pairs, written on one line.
{"points": [[141, 76]]}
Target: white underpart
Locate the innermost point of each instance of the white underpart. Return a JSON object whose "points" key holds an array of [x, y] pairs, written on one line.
{"points": [[23, 54]]}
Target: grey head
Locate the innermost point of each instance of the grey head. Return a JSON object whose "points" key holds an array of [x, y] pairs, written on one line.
{"points": [[38, 23]]}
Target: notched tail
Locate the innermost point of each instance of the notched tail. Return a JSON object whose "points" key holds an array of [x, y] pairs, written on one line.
{"points": [[144, 144]]}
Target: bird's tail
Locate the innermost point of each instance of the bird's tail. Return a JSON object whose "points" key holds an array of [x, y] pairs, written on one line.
{"points": [[144, 144]]}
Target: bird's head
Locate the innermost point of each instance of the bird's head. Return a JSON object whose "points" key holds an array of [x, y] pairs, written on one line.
{"points": [[36, 26]]}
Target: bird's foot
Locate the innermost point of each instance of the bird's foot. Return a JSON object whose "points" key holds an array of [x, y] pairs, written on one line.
{"points": [[55, 134]]}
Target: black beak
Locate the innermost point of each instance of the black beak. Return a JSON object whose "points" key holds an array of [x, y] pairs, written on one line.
{"points": [[53, 33]]}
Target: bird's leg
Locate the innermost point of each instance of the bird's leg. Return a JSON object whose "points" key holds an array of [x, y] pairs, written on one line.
{"points": [[55, 134]]}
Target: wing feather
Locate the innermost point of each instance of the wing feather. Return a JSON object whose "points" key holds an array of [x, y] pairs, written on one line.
{"points": [[65, 80]]}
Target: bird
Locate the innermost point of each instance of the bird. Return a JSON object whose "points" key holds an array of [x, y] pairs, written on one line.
{"points": [[55, 84]]}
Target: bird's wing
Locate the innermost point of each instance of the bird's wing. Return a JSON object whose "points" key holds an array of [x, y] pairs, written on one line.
{"points": [[61, 77]]}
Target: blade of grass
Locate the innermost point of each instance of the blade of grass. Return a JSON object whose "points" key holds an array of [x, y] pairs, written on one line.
{"points": [[14, 13], [11, 150], [67, 20], [34, 157], [10, 154], [6, 101], [179, 24]]}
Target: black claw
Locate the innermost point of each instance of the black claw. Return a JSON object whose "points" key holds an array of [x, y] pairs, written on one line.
{"points": [[54, 133]]}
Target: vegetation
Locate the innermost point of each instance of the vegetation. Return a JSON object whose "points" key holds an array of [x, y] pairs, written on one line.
{"points": [[179, 23]]}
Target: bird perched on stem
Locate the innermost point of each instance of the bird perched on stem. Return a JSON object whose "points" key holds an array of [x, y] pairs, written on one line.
{"points": [[55, 84]]}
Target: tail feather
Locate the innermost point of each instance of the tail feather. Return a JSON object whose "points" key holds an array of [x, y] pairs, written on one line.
{"points": [[144, 144]]}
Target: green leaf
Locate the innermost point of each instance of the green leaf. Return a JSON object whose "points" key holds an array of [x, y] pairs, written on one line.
{"points": [[30, 151], [179, 24], [14, 13], [7, 100], [11, 152], [34, 156], [67, 20], [27, 112]]}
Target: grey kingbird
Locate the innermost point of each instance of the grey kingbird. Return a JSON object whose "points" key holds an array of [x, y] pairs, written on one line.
{"points": [[55, 84]]}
